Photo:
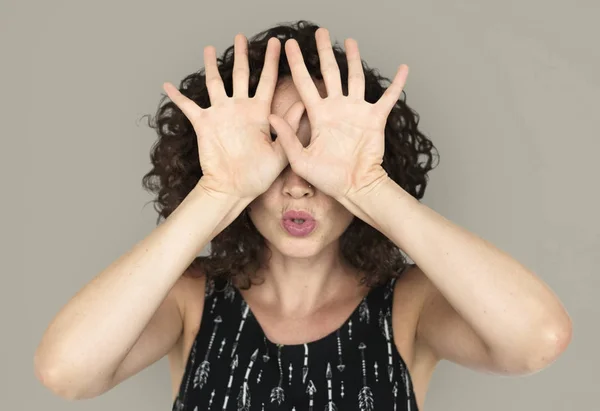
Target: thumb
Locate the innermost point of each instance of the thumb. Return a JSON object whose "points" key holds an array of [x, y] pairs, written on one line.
{"points": [[294, 115], [286, 129]]}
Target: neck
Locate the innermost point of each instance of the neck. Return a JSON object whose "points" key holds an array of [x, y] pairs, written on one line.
{"points": [[300, 286]]}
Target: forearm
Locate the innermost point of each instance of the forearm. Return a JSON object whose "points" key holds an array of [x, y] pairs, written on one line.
{"points": [[92, 334], [506, 304]]}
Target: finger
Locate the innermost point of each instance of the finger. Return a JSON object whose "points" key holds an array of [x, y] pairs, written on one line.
{"points": [[288, 140], [214, 82], [356, 74], [241, 72], [294, 115], [391, 95], [268, 76], [329, 67], [189, 108], [280, 152], [300, 75]]}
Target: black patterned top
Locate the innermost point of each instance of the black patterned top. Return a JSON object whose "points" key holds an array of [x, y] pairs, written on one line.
{"points": [[233, 366]]}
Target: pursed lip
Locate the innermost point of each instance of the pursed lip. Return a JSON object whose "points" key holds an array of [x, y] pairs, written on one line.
{"points": [[298, 215], [298, 223]]}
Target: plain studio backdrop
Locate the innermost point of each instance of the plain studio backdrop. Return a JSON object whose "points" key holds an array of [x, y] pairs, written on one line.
{"points": [[507, 90]]}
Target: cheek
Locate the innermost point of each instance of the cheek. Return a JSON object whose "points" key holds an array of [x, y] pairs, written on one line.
{"points": [[341, 211], [343, 217], [269, 199], [261, 210], [266, 201], [347, 220]]}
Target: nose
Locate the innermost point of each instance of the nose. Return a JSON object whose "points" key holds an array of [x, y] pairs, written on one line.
{"points": [[295, 186]]}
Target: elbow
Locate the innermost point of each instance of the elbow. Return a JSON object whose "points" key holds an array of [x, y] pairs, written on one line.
{"points": [[553, 341], [52, 379], [58, 382], [536, 352]]}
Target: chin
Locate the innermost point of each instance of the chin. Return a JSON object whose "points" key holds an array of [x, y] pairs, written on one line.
{"points": [[297, 247], [282, 242]]}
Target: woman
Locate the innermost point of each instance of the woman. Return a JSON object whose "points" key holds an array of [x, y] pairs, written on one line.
{"points": [[306, 191]]}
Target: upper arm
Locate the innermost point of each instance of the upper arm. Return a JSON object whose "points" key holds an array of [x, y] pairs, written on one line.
{"points": [[444, 332], [160, 335]]}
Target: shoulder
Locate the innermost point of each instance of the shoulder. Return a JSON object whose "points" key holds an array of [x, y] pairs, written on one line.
{"points": [[191, 295], [189, 292], [411, 291]]}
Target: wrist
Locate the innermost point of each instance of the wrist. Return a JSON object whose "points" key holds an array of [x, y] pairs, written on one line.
{"points": [[224, 197], [225, 207], [372, 203], [368, 191]]}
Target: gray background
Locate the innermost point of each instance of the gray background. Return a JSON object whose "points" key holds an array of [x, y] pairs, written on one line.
{"points": [[507, 90]]}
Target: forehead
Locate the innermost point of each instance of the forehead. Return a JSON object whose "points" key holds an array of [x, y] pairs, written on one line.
{"points": [[286, 94]]}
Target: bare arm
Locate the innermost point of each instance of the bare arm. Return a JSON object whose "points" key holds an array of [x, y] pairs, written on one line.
{"points": [[127, 316], [92, 335], [483, 309]]}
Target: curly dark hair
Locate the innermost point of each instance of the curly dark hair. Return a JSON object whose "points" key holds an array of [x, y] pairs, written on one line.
{"points": [[235, 253]]}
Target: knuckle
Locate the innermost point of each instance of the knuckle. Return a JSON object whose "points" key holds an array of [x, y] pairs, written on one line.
{"points": [[356, 76], [241, 70], [214, 80], [266, 77], [330, 67]]}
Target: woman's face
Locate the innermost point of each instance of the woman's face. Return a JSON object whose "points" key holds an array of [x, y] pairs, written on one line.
{"points": [[273, 212]]}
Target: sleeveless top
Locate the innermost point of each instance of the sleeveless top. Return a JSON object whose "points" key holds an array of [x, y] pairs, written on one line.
{"points": [[233, 366]]}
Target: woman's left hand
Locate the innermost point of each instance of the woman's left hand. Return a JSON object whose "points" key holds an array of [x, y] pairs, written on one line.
{"points": [[347, 141]]}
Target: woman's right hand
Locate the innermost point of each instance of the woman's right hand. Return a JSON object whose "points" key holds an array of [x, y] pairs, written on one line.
{"points": [[237, 155]]}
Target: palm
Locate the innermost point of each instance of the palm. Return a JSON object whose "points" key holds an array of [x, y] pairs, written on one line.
{"points": [[236, 152], [345, 143], [347, 137], [244, 158]]}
